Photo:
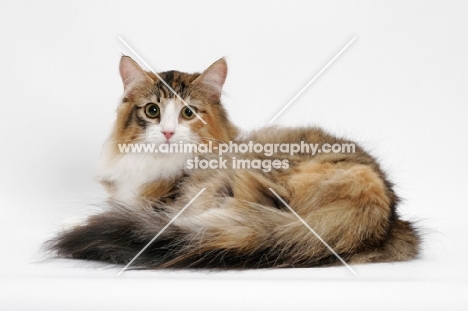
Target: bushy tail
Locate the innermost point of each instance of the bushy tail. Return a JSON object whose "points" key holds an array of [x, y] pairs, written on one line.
{"points": [[241, 235], [118, 234]]}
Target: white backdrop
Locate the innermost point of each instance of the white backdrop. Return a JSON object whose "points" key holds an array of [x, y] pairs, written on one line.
{"points": [[400, 89]]}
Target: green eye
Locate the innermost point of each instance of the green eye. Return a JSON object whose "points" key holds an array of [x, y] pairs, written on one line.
{"points": [[152, 110], [188, 113]]}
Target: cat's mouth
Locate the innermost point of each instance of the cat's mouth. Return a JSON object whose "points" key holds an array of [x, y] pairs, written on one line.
{"points": [[173, 140]]}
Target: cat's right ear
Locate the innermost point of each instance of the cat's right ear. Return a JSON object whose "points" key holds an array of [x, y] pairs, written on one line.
{"points": [[131, 73]]}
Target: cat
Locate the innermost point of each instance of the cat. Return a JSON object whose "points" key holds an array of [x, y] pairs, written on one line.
{"points": [[130, 177], [240, 220]]}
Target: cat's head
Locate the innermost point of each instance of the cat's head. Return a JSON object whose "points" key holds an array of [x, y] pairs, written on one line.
{"points": [[150, 110], [151, 114]]}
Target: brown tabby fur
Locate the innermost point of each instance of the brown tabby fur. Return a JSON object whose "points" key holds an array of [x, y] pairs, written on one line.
{"points": [[237, 222]]}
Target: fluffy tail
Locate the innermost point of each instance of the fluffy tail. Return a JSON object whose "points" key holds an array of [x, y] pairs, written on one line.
{"points": [[239, 234]]}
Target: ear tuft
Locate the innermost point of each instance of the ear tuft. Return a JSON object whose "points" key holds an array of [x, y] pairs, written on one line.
{"points": [[131, 72], [213, 78]]}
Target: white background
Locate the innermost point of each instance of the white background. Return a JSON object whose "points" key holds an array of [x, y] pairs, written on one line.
{"points": [[400, 89]]}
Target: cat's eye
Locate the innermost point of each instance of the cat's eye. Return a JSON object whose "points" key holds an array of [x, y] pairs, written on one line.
{"points": [[188, 112], [152, 110]]}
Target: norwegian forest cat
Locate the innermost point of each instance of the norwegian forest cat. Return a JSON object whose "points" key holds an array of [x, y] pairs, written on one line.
{"points": [[237, 222]]}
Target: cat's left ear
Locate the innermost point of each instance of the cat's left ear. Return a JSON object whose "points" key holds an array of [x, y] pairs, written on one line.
{"points": [[212, 79]]}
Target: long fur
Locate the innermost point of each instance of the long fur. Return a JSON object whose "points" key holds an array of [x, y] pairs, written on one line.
{"points": [[237, 222], [220, 231]]}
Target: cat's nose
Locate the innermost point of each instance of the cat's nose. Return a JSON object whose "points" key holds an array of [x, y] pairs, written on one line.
{"points": [[168, 135]]}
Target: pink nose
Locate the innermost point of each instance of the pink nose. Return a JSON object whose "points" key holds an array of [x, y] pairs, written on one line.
{"points": [[168, 135]]}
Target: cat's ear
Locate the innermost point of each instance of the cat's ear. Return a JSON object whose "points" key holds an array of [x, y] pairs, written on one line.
{"points": [[212, 79], [131, 72]]}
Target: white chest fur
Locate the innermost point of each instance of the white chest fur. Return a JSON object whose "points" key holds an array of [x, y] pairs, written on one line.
{"points": [[129, 172]]}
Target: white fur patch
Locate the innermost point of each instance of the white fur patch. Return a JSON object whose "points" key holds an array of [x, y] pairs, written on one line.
{"points": [[129, 172], [170, 123]]}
